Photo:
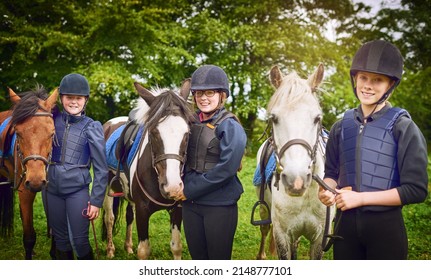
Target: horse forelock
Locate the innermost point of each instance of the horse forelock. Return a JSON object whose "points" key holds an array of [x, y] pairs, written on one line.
{"points": [[168, 103], [28, 105], [291, 91]]}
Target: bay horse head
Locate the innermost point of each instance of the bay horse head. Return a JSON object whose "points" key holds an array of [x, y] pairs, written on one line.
{"points": [[296, 117], [33, 126], [167, 128]]}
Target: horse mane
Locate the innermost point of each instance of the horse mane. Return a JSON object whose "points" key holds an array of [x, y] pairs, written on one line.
{"points": [[28, 105], [291, 91]]}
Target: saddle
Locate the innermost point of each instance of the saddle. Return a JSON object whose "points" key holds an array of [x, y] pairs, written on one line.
{"points": [[122, 150], [6, 150]]}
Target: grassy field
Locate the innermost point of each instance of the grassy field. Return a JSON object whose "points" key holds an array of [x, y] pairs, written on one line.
{"points": [[247, 237]]}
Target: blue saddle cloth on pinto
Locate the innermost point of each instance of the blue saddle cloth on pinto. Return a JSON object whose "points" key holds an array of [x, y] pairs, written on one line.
{"points": [[111, 145], [9, 151]]}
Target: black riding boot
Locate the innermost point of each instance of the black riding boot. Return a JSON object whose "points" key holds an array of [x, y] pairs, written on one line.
{"points": [[61, 255], [89, 256]]}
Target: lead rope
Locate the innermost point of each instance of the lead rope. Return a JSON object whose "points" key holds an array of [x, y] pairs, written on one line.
{"points": [[85, 214]]}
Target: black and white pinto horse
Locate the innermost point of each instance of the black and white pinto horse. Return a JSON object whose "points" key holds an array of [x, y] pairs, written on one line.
{"points": [[154, 172], [295, 117]]}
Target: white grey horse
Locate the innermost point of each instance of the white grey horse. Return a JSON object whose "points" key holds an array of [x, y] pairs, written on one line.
{"points": [[295, 117]]}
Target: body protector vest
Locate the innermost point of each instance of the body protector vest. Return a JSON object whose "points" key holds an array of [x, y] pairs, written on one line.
{"points": [[369, 152], [71, 145], [203, 151]]}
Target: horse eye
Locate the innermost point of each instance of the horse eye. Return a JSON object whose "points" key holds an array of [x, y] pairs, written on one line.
{"points": [[318, 119]]}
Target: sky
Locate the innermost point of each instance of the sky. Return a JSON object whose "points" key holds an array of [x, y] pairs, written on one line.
{"points": [[376, 4]]}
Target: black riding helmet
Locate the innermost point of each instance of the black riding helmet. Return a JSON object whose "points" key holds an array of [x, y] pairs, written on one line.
{"points": [[74, 84], [210, 77], [378, 57]]}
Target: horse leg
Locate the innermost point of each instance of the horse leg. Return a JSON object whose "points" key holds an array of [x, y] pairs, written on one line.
{"points": [[293, 248], [264, 229], [26, 199], [109, 224], [316, 250], [264, 213], [176, 217], [130, 216], [281, 241], [143, 215], [7, 211]]}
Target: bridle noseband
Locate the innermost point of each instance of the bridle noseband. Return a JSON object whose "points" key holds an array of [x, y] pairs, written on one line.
{"points": [[312, 151]]}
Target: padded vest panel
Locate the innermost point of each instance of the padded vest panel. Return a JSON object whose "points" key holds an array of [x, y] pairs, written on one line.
{"points": [[72, 145], [369, 158]]}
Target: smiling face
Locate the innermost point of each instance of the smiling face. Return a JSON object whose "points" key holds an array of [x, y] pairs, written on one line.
{"points": [[73, 104], [370, 87], [207, 101]]}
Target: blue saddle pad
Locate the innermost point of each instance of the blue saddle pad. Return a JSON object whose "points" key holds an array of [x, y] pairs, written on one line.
{"points": [[9, 152], [269, 169], [111, 145]]}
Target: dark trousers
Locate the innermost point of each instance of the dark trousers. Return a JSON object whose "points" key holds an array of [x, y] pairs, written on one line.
{"points": [[70, 228], [210, 230], [371, 235]]}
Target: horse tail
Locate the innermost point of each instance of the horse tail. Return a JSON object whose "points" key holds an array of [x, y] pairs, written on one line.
{"points": [[272, 246], [7, 199], [117, 205], [117, 209]]}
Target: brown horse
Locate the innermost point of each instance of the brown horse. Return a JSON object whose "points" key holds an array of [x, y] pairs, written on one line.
{"points": [[26, 144], [154, 174]]}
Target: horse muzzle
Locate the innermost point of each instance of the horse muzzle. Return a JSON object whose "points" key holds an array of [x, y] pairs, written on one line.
{"points": [[294, 186]]}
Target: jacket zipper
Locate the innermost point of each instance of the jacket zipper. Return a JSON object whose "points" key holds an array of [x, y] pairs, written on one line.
{"points": [[358, 164], [63, 146]]}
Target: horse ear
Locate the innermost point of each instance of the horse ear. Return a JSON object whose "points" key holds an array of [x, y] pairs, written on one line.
{"points": [[49, 103], [14, 98], [275, 76], [52, 99], [144, 93], [185, 88], [316, 78]]}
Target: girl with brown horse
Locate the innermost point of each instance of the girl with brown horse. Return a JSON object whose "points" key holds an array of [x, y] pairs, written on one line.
{"points": [[78, 145]]}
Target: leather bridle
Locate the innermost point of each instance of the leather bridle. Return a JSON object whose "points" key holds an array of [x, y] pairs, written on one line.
{"points": [[18, 154], [311, 150]]}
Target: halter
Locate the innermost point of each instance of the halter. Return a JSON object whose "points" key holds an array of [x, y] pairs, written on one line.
{"points": [[24, 160], [312, 151]]}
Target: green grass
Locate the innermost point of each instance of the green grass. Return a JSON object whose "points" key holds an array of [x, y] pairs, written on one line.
{"points": [[247, 238]]}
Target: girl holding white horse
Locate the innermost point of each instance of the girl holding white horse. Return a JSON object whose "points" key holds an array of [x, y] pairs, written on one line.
{"points": [[211, 186], [376, 159]]}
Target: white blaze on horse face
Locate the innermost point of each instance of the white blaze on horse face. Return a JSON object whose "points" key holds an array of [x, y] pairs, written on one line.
{"points": [[169, 130]]}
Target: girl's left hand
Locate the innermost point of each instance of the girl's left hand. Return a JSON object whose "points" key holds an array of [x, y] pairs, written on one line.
{"points": [[92, 212]]}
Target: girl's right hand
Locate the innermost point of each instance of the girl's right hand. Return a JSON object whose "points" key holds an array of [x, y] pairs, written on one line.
{"points": [[326, 197]]}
